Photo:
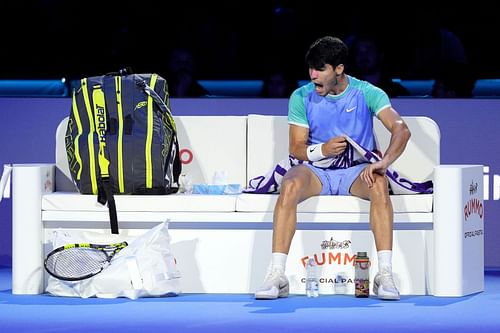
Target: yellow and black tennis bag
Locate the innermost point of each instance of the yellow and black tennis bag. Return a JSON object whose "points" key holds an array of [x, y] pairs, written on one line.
{"points": [[121, 137]]}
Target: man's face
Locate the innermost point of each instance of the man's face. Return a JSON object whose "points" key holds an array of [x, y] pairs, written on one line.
{"points": [[325, 79]]}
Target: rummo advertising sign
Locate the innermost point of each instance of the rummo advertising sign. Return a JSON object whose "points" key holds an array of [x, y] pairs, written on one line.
{"points": [[334, 252]]}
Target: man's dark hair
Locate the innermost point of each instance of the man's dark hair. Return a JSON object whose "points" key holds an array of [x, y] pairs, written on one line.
{"points": [[326, 50]]}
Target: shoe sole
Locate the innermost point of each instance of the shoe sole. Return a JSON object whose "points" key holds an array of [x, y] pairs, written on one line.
{"points": [[283, 292], [388, 297], [385, 297]]}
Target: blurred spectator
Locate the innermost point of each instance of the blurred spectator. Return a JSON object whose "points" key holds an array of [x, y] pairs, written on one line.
{"points": [[367, 63], [181, 74], [219, 40], [454, 80], [278, 84], [433, 43], [283, 37]]}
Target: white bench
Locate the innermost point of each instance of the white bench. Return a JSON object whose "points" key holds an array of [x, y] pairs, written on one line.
{"points": [[223, 242]]}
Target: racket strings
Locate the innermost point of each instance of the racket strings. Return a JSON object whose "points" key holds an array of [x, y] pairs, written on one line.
{"points": [[76, 263]]}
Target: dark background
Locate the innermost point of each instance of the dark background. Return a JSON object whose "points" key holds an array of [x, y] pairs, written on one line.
{"points": [[229, 39]]}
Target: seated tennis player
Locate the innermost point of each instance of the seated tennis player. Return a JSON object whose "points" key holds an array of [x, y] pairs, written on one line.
{"points": [[319, 115]]}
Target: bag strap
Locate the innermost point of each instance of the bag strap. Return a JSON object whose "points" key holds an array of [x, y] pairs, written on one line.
{"points": [[176, 167], [157, 99], [105, 191], [121, 72]]}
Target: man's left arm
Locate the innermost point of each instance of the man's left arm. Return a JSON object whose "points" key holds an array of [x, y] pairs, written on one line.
{"points": [[400, 134]]}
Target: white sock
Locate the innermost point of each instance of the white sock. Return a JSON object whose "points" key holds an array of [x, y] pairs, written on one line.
{"points": [[278, 261], [385, 260]]}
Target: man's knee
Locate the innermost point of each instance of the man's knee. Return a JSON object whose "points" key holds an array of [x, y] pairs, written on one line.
{"points": [[380, 188], [290, 189]]}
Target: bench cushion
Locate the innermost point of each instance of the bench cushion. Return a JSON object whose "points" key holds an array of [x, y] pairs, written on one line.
{"points": [[62, 201], [421, 203]]}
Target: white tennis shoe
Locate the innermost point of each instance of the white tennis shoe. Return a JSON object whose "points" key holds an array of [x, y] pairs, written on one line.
{"points": [[275, 285], [384, 286]]}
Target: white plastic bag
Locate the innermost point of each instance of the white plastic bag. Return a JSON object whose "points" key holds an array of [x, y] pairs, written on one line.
{"points": [[145, 268]]}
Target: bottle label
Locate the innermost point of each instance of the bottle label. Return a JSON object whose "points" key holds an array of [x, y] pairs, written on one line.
{"points": [[362, 287]]}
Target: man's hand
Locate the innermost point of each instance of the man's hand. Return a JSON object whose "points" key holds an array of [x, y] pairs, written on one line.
{"points": [[335, 146], [367, 174]]}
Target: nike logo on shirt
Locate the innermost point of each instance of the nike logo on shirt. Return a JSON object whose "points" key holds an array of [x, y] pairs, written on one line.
{"points": [[312, 149], [350, 109]]}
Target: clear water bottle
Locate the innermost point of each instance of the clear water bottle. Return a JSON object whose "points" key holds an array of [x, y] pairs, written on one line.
{"points": [[185, 184], [362, 275], [340, 285], [312, 280]]}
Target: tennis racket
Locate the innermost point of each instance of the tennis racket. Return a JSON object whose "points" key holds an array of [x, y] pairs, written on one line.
{"points": [[73, 262]]}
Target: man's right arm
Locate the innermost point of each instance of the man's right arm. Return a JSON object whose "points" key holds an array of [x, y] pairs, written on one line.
{"points": [[299, 132], [298, 145], [297, 141]]}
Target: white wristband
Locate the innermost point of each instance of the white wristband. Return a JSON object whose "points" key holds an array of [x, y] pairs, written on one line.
{"points": [[314, 152]]}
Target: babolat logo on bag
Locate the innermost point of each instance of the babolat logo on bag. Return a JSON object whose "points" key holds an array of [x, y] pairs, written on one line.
{"points": [[101, 122], [121, 137]]}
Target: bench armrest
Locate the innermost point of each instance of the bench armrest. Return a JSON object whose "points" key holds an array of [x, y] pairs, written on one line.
{"points": [[29, 183], [458, 230]]}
